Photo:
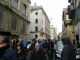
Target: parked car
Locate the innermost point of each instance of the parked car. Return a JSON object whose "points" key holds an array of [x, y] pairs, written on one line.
{"points": [[59, 48]]}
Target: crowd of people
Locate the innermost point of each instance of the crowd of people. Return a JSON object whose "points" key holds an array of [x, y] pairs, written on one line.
{"points": [[34, 49], [25, 50]]}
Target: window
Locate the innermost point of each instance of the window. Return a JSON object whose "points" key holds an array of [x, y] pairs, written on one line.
{"points": [[36, 13], [14, 23], [23, 28], [36, 20], [36, 36], [36, 28], [14, 3], [24, 7], [79, 6]]}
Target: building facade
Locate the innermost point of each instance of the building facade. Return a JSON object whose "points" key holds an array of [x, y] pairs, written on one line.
{"points": [[77, 17], [14, 17], [40, 24], [74, 13], [53, 33], [68, 26]]}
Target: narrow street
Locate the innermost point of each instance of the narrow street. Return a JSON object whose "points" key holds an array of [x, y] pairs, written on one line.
{"points": [[39, 29]]}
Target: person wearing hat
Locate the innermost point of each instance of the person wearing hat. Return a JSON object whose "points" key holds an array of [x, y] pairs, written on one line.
{"points": [[5, 52]]}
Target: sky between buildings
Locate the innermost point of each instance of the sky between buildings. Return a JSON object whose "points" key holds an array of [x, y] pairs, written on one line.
{"points": [[54, 10]]}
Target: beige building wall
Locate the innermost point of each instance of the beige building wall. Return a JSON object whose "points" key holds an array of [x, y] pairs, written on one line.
{"points": [[13, 19], [70, 28], [43, 22], [68, 24], [47, 28], [53, 33]]}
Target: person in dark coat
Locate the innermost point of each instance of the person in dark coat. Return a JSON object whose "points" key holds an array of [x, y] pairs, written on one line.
{"points": [[20, 52], [37, 54], [69, 51], [5, 52], [50, 49]]}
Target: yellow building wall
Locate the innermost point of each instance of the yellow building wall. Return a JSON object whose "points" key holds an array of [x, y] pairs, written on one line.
{"points": [[70, 28], [70, 33]]}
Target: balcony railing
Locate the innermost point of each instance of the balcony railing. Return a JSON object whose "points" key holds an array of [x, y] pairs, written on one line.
{"points": [[68, 21], [4, 3]]}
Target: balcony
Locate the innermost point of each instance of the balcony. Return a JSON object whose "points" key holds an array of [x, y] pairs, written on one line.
{"points": [[71, 11], [4, 3], [69, 21]]}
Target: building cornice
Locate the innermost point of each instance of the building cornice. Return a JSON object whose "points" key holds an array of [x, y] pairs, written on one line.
{"points": [[13, 10]]}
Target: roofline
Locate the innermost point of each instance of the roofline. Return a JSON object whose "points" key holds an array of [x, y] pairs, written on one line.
{"points": [[45, 14], [40, 7]]}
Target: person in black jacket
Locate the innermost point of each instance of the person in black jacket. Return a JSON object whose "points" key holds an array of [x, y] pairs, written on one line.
{"points": [[20, 52], [5, 52], [69, 51], [37, 54], [50, 49]]}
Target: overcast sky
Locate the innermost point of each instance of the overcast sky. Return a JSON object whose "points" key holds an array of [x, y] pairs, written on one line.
{"points": [[54, 9]]}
